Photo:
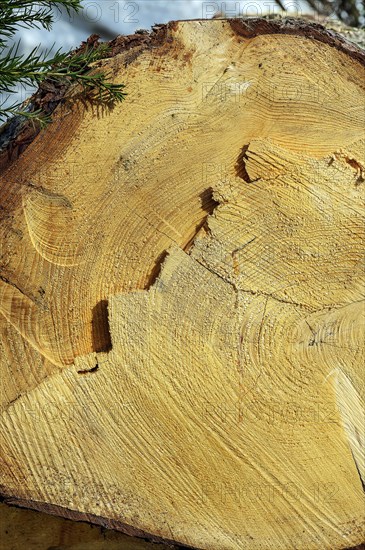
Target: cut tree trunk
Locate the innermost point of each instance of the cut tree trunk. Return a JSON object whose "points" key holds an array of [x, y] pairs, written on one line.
{"points": [[182, 293]]}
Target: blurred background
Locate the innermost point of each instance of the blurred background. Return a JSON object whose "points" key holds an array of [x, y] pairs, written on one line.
{"points": [[112, 17], [108, 18]]}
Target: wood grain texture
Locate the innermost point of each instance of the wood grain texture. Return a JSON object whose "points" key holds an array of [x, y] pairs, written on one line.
{"points": [[182, 295]]}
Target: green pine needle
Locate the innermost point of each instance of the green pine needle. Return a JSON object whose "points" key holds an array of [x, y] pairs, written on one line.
{"points": [[36, 67]]}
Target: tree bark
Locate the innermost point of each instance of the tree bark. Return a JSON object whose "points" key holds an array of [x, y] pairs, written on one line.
{"points": [[182, 293]]}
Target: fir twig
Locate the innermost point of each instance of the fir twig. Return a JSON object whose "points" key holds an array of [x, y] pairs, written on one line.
{"points": [[36, 67]]}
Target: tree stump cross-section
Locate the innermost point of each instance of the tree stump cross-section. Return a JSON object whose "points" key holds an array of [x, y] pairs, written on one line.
{"points": [[182, 294]]}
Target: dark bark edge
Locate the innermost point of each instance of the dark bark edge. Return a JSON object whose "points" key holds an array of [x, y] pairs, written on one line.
{"points": [[249, 28], [111, 524], [92, 519]]}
